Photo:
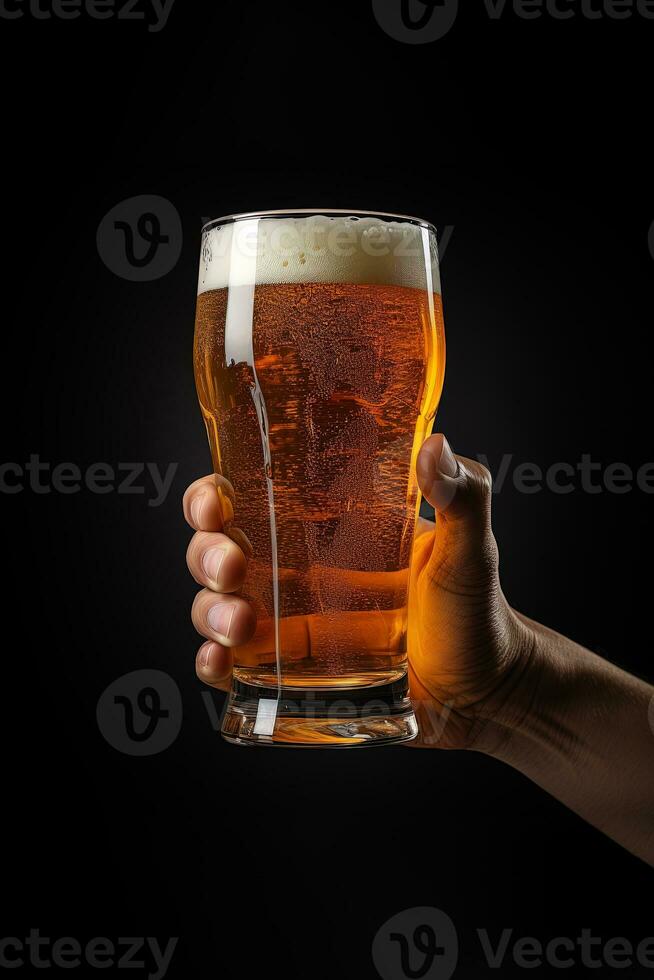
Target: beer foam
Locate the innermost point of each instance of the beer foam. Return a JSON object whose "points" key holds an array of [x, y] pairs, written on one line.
{"points": [[319, 248]]}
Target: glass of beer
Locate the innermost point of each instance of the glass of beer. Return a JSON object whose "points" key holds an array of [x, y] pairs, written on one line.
{"points": [[319, 359]]}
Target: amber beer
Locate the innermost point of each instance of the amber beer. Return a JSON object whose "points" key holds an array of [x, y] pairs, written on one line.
{"points": [[319, 358]]}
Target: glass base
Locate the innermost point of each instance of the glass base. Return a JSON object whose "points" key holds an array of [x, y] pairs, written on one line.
{"points": [[327, 718]]}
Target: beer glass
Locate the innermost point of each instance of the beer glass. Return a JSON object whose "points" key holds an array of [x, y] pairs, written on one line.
{"points": [[319, 361]]}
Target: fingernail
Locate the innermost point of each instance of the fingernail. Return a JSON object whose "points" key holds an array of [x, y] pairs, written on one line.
{"points": [[196, 508], [240, 538], [211, 562], [447, 463], [426, 468], [220, 617], [226, 508], [204, 655]]}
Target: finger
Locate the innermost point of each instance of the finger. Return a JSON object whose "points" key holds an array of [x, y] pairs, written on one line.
{"points": [[209, 503], [215, 561], [458, 488], [464, 553], [227, 619], [213, 665]]}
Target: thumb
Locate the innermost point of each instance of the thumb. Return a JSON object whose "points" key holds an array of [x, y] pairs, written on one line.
{"points": [[460, 491]]}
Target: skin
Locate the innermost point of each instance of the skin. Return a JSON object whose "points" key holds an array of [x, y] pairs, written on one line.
{"points": [[482, 676]]}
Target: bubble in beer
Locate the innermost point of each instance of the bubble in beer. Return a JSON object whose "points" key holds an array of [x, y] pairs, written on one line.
{"points": [[318, 362]]}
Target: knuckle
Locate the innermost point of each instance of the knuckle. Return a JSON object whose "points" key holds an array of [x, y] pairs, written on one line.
{"points": [[490, 555], [480, 481], [204, 676], [484, 481], [198, 607], [197, 544], [192, 489], [193, 553]]}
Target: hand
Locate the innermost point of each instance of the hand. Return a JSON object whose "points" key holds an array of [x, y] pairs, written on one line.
{"points": [[468, 651], [471, 656]]}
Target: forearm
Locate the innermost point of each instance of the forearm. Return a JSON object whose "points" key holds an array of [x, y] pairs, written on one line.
{"points": [[581, 730]]}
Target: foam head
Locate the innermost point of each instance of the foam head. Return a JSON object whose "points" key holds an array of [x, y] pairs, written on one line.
{"points": [[319, 248]]}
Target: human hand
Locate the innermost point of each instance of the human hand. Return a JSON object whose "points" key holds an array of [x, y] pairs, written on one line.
{"points": [[471, 657], [468, 651]]}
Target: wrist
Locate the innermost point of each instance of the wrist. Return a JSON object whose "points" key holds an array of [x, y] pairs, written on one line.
{"points": [[546, 718], [518, 710]]}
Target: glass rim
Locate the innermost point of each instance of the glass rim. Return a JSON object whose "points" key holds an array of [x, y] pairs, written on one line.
{"points": [[318, 212]]}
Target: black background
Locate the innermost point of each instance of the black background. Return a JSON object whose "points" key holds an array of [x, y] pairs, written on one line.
{"points": [[531, 139]]}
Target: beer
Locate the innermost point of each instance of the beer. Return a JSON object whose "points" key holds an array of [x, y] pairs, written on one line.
{"points": [[319, 358]]}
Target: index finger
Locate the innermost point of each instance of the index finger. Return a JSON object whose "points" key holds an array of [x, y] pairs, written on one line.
{"points": [[209, 503]]}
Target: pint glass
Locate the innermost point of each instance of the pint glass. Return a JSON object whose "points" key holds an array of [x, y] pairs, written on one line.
{"points": [[319, 360]]}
